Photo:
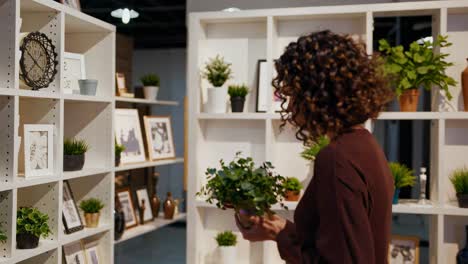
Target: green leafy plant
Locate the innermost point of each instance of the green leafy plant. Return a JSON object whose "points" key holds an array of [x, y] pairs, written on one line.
{"points": [[226, 239], [150, 80], [238, 91], [313, 148], [459, 179], [75, 147], [3, 237], [292, 184], [32, 221], [217, 71], [119, 149], [241, 185], [91, 206], [402, 175], [417, 66]]}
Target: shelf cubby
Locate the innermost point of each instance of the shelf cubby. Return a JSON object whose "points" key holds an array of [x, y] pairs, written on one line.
{"points": [[8, 27], [105, 243], [7, 134], [48, 257], [454, 237], [6, 224]]}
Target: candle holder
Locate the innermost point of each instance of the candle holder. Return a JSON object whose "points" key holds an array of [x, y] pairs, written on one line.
{"points": [[423, 185]]}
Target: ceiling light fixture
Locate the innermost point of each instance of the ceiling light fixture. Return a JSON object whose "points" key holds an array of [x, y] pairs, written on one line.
{"points": [[125, 14], [231, 9]]}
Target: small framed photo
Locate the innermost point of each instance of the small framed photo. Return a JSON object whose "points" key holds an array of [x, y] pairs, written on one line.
{"points": [[142, 195], [125, 199], [159, 137], [403, 250], [92, 253], [121, 86], [264, 87], [128, 133], [74, 253], [38, 150], [73, 70], [72, 3], [70, 214]]}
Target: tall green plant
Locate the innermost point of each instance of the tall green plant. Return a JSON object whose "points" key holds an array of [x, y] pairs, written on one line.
{"points": [[150, 80], [3, 237], [313, 148], [459, 179], [402, 175], [238, 91], [74, 147], [32, 221], [217, 71], [226, 239]]}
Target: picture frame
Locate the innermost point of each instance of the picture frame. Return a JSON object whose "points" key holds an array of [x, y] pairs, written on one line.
{"points": [[74, 69], [121, 86], [70, 215], [159, 137], [74, 253], [403, 250], [125, 198], [92, 252], [263, 88], [142, 194], [128, 133], [38, 150], [75, 4]]}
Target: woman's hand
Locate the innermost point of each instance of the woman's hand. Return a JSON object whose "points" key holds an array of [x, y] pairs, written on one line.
{"points": [[263, 228]]}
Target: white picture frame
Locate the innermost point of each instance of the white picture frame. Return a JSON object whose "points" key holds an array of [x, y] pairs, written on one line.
{"points": [[38, 150], [92, 253], [159, 137], [264, 87], [128, 134], [142, 194], [74, 253], [74, 69]]}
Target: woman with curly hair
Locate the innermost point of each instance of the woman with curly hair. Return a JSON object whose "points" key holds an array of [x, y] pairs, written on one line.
{"points": [[330, 86]]}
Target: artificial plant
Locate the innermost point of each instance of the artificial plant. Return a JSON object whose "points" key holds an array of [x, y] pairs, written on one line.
{"points": [[150, 80], [459, 179], [402, 175], [32, 221], [226, 239], [292, 184], [75, 147], [119, 149], [217, 71], [91, 206], [238, 91]]}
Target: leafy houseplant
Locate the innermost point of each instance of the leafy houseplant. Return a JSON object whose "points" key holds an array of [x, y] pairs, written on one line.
{"points": [[226, 242], [416, 67], [3, 237], [31, 224], [150, 86], [459, 179], [237, 94], [91, 208], [118, 153], [217, 72], [74, 154], [313, 148], [293, 189], [402, 177]]}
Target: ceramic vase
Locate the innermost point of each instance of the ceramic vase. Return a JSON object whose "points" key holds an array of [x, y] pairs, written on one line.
{"points": [[155, 205], [169, 207], [409, 100], [150, 92], [88, 87], [228, 255], [217, 100], [464, 81]]}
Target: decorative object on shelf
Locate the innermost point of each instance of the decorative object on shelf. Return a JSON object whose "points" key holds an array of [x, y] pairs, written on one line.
{"points": [[313, 148], [74, 253], [416, 67], [141, 211], [143, 199], [92, 252], [38, 62], [237, 94], [3, 236], [402, 177], [73, 70], [462, 255], [293, 189], [88, 87], [264, 88], [128, 134], [38, 150], [423, 186], [74, 154], [119, 220], [217, 72], [150, 86], [31, 225], [227, 242], [125, 199], [122, 90], [70, 214], [72, 3], [92, 211], [155, 200], [118, 152], [169, 207], [159, 137], [403, 250], [464, 80], [243, 187], [459, 179]]}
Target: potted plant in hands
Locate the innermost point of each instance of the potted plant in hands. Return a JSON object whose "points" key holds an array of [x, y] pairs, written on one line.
{"points": [[150, 86], [293, 189], [418, 66], [118, 153], [237, 94], [402, 177], [227, 242], [74, 154], [91, 208], [459, 181], [217, 72], [313, 148], [31, 225]]}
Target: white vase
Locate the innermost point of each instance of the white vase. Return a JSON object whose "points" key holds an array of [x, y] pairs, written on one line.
{"points": [[217, 98], [150, 92], [228, 255]]}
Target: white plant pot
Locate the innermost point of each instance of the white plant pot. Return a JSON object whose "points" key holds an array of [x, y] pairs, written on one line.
{"points": [[150, 92], [228, 255], [217, 98]]}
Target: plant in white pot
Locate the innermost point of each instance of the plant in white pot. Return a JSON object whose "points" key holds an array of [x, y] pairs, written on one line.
{"points": [[227, 242], [150, 86], [217, 72]]}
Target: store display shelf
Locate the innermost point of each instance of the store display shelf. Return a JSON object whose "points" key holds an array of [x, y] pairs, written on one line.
{"points": [[23, 254], [87, 232], [147, 164], [67, 175], [234, 116], [38, 94], [87, 98], [22, 182], [146, 101], [149, 227]]}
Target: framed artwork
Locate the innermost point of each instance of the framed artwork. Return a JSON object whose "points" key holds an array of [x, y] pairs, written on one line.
{"points": [[38, 150], [74, 253], [73, 70], [70, 214], [72, 3], [120, 82], [403, 250], [92, 253], [142, 195], [128, 133], [125, 199], [159, 137], [264, 87]]}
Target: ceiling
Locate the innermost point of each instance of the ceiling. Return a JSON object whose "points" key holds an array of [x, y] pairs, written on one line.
{"points": [[161, 23]]}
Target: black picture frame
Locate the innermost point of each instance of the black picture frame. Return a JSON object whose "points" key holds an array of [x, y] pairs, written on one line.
{"points": [[259, 62], [70, 230]]}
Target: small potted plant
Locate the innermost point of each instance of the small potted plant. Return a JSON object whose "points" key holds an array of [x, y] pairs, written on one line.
{"points": [[312, 149], [459, 179], [118, 153], [91, 208], [217, 72], [31, 225], [74, 154], [150, 86], [227, 246], [3, 237], [293, 189], [416, 67], [238, 94], [402, 177]]}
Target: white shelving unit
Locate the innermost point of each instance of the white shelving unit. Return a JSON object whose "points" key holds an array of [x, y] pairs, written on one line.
{"points": [[245, 37]]}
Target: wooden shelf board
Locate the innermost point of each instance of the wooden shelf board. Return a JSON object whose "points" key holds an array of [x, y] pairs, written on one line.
{"points": [[146, 101], [147, 164], [86, 232], [67, 175]]}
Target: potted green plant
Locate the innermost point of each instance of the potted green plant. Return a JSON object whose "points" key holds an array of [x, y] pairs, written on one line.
{"points": [[31, 225], [459, 179], [74, 154], [227, 242], [92, 211], [244, 187], [150, 86], [3, 236], [312, 149], [238, 94], [402, 177], [293, 189], [217, 72], [118, 153], [418, 66]]}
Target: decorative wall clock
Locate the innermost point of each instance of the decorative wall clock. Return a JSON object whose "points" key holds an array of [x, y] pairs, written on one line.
{"points": [[38, 61]]}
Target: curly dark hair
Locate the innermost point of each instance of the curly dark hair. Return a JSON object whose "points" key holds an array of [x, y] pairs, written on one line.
{"points": [[328, 84]]}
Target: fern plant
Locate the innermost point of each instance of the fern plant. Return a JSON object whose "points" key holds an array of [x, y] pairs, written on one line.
{"points": [[226, 239], [75, 147], [402, 175], [459, 179], [312, 149], [32, 221], [238, 91], [217, 71], [150, 80], [91, 206]]}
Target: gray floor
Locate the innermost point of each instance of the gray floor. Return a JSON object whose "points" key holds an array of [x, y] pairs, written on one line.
{"points": [[164, 246]]}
